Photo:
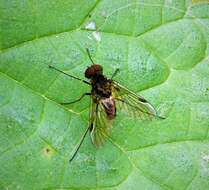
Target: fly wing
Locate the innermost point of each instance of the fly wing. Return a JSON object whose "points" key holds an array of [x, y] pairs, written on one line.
{"points": [[101, 125], [133, 104]]}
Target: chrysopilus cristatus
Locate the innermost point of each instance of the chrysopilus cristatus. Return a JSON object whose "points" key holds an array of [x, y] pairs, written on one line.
{"points": [[107, 97]]}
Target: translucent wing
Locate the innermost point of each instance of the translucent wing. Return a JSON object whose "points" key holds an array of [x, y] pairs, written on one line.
{"points": [[101, 126], [133, 104]]}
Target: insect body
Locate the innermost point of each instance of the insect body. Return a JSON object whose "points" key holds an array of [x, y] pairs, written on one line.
{"points": [[101, 89], [108, 96]]}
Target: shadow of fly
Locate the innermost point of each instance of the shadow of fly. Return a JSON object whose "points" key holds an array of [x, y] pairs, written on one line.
{"points": [[108, 96]]}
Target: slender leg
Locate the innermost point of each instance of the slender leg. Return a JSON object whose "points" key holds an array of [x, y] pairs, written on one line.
{"points": [[90, 127], [85, 94], [80, 143], [115, 73]]}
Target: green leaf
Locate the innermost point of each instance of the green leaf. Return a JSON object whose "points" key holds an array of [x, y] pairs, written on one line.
{"points": [[161, 48]]}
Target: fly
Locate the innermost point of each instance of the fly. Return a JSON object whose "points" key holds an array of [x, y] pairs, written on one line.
{"points": [[107, 96]]}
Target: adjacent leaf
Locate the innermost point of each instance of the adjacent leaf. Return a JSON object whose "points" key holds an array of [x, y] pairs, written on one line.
{"points": [[161, 48]]}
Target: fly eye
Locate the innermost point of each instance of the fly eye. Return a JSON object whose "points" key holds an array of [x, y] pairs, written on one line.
{"points": [[98, 68], [89, 72]]}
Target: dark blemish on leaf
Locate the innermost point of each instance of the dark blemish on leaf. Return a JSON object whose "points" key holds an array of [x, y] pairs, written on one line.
{"points": [[48, 152], [206, 92]]}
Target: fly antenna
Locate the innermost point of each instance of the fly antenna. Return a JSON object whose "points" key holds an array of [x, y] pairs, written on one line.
{"points": [[58, 70], [88, 52]]}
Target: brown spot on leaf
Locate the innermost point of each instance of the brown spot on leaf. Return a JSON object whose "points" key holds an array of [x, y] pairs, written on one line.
{"points": [[47, 152]]}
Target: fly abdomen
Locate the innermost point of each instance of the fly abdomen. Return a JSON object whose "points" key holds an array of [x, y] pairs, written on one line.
{"points": [[109, 106]]}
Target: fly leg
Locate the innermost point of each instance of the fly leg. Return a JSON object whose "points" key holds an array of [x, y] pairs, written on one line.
{"points": [[115, 73], [67, 103], [79, 145], [90, 127]]}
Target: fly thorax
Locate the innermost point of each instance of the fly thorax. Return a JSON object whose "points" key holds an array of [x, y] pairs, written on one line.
{"points": [[101, 86]]}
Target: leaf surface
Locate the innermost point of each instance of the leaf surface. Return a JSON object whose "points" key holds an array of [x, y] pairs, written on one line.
{"points": [[161, 49]]}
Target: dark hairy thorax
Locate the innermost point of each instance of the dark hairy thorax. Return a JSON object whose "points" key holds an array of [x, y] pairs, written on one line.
{"points": [[102, 92], [101, 86]]}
